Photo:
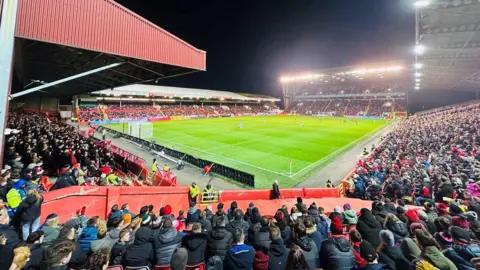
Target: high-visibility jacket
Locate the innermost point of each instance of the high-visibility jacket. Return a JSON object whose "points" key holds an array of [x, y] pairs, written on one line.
{"points": [[166, 168], [154, 167], [194, 192], [14, 198]]}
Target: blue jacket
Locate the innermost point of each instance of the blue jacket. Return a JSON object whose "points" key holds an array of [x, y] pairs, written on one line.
{"points": [[239, 257], [461, 255], [89, 234]]}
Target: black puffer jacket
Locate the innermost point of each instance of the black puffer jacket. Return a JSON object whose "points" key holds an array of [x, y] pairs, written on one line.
{"points": [[6, 257], [29, 209], [140, 253], [164, 244], [389, 255], [399, 230], [337, 253], [11, 235], [196, 244], [286, 233], [206, 225], [277, 255], [262, 239], [241, 224], [65, 180], [219, 241], [118, 251], [369, 227], [309, 250], [36, 257]]}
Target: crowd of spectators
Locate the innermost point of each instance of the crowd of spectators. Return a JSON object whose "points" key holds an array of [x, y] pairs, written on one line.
{"points": [[436, 236], [349, 88], [139, 111]]}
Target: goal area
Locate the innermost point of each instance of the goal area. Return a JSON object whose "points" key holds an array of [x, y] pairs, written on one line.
{"points": [[140, 130]]}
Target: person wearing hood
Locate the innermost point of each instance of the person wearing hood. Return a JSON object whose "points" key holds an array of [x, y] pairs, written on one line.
{"points": [[349, 214], [285, 230], [398, 228], [51, 230], [120, 247], [426, 222], [430, 251], [238, 222], [369, 227], [388, 252], [140, 253], [29, 211], [254, 225], [308, 247], [336, 252], [65, 180], [165, 243], [196, 245], [312, 211], [261, 238], [88, 235], [219, 240], [463, 250], [240, 255], [110, 238], [277, 253], [411, 252]]}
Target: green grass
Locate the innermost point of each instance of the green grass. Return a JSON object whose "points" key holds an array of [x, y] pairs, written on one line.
{"points": [[265, 149]]}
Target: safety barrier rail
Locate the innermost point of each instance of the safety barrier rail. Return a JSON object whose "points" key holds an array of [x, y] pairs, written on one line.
{"points": [[209, 197]]}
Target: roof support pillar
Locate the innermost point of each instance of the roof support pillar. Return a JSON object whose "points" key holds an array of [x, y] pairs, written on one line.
{"points": [[7, 39], [40, 87]]}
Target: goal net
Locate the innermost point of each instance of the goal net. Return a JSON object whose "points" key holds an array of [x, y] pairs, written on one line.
{"points": [[140, 130]]}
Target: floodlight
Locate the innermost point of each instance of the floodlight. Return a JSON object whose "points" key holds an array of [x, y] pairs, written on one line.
{"points": [[418, 74], [419, 49], [422, 3], [417, 87], [418, 65], [417, 80]]}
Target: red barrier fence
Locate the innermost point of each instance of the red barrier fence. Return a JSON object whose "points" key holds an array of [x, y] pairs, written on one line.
{"points": [[288, 193]]}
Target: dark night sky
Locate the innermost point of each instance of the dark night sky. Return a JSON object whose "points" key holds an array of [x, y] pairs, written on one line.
{"points": [[250, 44]]}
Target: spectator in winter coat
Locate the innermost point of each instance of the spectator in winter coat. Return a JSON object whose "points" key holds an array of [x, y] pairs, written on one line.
{"points": [[219, 240], [430, 251], [463, 250], [398, 228], [277, 253], [65, 180], [300, 205], [367, 251], [388, 252], [109, 238], [205, 222], [430, 211], [196, 245], [34, 241], [249, 213], [78, 257], [165, 243], [296, 259], [88, 235], [219, 213], [140, 253], [350, 215], [240, 256], [336, 252], [119, 248], [337, 212], [369, 227], [6, 253], [238, 222], [58, 255], [8, 231], [262, 236], [285, 230], [231, 210], [355, 240], [51, 230], [410, 251], [275, 190], [312, 231], [308, 247], [428, 224]]}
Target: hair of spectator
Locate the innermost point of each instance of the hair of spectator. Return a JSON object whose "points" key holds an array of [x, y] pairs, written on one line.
{"points": [[181, 212], [91, 222], [150, 208], [116, 222], [98, 259], [56, 253], [136, 222], [221, 221], [238, 214], [309, 222], [321, 210], [123, 232], [143, 210], [294, 209], [299, 200], [124, 206], [296, 259], [66, 233], [355, 236], [300, 229], [20, 256], [264, 221], [275, 233], [115, 208], [304, 209], [238, 236], [390, 219], [52, 222], [167, 223]]}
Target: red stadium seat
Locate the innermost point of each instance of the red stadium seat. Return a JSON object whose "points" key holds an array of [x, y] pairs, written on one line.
{"points": [[199, 266], [162, 267]]}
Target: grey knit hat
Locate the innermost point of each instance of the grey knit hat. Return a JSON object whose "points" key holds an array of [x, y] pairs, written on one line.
{"points": [[387, 238], [179, 259]]}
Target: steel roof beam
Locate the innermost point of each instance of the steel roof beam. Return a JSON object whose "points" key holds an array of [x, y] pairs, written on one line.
{"points": [[447, 29]]}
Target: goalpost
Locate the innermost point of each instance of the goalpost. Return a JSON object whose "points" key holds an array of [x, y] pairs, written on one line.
{"points": [[140, 130]]}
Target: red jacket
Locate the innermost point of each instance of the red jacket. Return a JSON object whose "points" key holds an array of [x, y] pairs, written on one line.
{"points": [[361, 262]]}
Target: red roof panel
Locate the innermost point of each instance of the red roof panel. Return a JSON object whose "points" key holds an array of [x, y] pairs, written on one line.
{"points": [[104, 26]]}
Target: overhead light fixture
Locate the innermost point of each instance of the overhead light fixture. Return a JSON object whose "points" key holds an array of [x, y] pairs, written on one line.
{"points": [[417, 79], [422, 3], [419, 49], [417, 84], [418, 74], [417, 87], [418, 65]]}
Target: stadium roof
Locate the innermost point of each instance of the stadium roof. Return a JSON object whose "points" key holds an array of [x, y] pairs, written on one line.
{"points": [[448, 33], [179, 92], [56, 39], [374, 72]]}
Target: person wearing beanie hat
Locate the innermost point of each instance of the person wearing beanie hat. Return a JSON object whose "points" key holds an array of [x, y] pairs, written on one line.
{"points": [[179, 259], [462, 251], [410, 251], [442, 209], [460, 221], [430, 211], [369, 227], [389, 253], [411, 216], [350, 215], [367, 251], [260, 262], [127, 218], [416, 226], [146, 220], [336, 252]]}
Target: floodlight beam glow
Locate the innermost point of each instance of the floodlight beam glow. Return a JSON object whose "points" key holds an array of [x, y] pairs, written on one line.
{"points": [[422, 3]]}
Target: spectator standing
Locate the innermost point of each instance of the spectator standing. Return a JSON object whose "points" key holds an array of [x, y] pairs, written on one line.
{"points": [[29, 212], [140, 253], [277, 252], [37, 252], [240, 256], [238, 222], [6, 253], [194, 191], [285, 230], [275, 190], [355, 240], [165, 242], [308, 247], [261, 238], [89, 234], [349, 214], [296, 259], [119, 248], [219, 240], [196, 244], [430, 251], [336, 252], [8, 231], [57, 256], [369, 227]]}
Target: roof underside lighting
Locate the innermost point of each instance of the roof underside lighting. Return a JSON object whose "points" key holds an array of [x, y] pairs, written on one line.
{"points": [[422, 3]]}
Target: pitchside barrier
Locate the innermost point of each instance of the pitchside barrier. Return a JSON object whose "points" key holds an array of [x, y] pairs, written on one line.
{"points": [[235, 175]]}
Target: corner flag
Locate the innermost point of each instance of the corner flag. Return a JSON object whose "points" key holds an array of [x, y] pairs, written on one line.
{"points": [[290, 167]]}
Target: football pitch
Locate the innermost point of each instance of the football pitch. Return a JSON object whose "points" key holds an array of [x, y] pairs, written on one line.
{"points": [[265, 146]]}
